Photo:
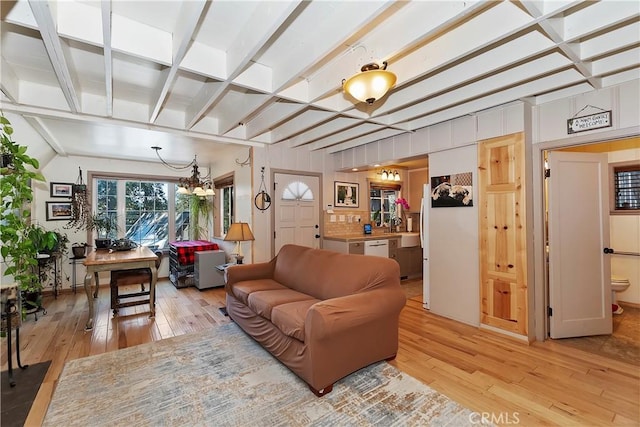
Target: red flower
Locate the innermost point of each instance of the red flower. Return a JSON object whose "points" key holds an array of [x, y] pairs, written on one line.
{"points": [[403, 202]]}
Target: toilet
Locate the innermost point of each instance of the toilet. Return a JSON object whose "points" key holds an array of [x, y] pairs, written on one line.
{"points": [[618, 284]]}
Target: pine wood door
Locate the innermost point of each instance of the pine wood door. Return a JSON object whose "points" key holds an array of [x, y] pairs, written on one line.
{"points": [[503, 263]]}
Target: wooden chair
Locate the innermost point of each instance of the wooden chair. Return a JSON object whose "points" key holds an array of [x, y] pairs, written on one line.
{"points": [[138, 276]]}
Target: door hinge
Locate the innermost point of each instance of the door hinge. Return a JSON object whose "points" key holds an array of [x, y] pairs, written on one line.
{"points": [[274, 234], [547, 173], [549, 311]]}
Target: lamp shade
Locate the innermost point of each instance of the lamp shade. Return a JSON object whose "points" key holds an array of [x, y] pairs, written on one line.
{"points": [[239, 232], [371, 84]]}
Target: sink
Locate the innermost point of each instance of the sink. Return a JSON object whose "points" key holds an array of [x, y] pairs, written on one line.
{"points": [[409, 240]]}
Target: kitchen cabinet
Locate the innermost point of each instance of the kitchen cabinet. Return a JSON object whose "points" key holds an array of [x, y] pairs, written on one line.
{"points": [[410, 261], [356, 248], [393, 249]]}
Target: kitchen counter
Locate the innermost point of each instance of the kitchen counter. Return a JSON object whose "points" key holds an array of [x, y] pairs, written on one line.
{"points": [[359, 237]]}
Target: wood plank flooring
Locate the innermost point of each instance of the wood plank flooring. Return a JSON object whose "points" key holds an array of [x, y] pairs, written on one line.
{"points": [[507, 381]]}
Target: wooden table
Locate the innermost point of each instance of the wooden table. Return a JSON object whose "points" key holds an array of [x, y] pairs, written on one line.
{"points": [[105, 260]]}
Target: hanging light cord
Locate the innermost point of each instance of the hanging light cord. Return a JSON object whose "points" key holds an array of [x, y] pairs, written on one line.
{"points": [[178, 168]]}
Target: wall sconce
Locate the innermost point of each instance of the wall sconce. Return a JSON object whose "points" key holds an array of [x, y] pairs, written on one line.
{"points": [[389, 176]]}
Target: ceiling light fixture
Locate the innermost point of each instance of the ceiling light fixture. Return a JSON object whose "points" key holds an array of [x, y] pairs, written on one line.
{"points": [[371, 84], [194, 184], [389, 176]]}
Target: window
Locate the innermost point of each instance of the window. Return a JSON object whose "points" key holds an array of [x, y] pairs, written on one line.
{"points": [[223, 204], [626, 187], [226, 213], [382, 205], [382, 202], [297, 191], [143, 208]]}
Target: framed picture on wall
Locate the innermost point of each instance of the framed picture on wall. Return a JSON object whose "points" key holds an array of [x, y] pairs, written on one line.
{"points": [[60, 189], [346, 194], [450, 191], [58, 211]]}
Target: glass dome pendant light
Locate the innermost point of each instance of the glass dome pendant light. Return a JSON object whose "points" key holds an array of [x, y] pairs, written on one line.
{"points": [[371, 84]]}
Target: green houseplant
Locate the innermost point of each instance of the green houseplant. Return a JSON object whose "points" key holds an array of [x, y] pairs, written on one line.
{"points": [[104, 225], [19, 251]]}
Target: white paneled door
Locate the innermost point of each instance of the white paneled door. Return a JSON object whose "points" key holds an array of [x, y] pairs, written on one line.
{"points": [[579, 270], [296, 210]]}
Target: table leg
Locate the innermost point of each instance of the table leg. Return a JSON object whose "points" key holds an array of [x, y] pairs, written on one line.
{"points": [[12, 382], [152, 291], [87, 290], [97, 282]]}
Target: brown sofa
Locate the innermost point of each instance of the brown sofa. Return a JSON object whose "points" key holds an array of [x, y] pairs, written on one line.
{"points": [[321, 313]]}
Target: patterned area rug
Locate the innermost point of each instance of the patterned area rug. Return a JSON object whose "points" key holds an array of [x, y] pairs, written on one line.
{"points": [[223, 377]]}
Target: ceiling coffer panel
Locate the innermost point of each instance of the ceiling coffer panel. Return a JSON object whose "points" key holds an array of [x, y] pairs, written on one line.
{"points": [[262, 72]]}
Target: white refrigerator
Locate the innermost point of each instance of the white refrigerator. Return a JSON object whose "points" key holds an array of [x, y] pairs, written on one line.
{"points": [[424, 242]]}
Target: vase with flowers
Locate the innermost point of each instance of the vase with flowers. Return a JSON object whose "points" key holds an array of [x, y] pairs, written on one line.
{"points": [[401, 216]]}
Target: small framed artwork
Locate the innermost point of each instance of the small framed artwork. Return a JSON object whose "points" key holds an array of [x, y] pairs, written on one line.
{"points": [[58, 211], [60, 189], [346, 194]]}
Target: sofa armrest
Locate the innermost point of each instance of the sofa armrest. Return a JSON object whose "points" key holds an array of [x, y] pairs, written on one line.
{"points": [[242, 272], [334, 315]]}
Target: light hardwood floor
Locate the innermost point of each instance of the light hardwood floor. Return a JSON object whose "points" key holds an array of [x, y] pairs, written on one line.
{"points": [[508, 381]]}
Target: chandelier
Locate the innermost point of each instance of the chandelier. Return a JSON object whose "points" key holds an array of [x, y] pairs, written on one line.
{"points": [[194, 184], [370, 84]]}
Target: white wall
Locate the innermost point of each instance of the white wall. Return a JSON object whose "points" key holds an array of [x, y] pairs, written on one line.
{"points": [[454, 276], [625, 237]]}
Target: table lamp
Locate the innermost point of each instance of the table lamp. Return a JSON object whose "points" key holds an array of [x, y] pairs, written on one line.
{"points": [[239, 232]]}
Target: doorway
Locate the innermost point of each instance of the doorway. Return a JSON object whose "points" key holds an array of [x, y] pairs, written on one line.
{"points": [[296, 210], [623, 342]]}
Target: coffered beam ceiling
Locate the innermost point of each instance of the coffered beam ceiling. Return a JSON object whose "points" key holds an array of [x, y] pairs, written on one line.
{"points": [[270, 72]]}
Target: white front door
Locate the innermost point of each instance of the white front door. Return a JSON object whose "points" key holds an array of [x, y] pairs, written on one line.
{"points": [[579, 271], [296, 210]]}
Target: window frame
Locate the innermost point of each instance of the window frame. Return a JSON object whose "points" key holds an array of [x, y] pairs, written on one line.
{"points": [[92, 176], [613, 169], [222, 182]]}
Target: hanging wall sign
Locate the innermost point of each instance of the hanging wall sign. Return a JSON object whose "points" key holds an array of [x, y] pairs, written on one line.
{"points": [[590, 122]]}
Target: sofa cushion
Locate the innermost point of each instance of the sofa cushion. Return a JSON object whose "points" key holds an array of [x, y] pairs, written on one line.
{"points": [[289, 318], [262, 302], [242, 290], [325, 274]]}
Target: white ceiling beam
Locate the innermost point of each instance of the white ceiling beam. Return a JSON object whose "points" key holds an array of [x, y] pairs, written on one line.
{"points": [[492, 83], [277, 111], [47, 27], [317, 132], [305, 120], [537, 86], [190, 13], [419, 21], [263, 24], [108, 64], [9, 83], [365, 139], [346, 135], [92, 119], [46, 134]]}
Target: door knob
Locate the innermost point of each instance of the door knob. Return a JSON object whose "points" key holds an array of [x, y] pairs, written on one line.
{"points": [[317, 236]]}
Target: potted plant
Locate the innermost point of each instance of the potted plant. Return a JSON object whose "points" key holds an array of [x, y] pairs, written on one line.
{"points": [[79, 250], [103, 225], [18, 250]]}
